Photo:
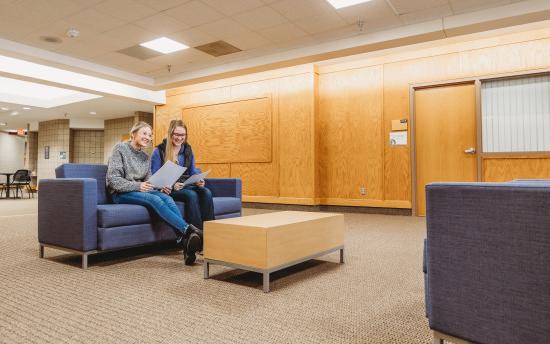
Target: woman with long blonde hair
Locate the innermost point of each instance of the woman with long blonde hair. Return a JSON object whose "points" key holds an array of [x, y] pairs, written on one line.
{"points": [[197, 198], [128, 173]]}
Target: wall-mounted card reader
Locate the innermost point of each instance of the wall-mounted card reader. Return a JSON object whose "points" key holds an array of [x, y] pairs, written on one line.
{"points": [[398, 124]]}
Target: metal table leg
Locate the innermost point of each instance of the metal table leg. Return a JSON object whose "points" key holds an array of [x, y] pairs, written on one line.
{"points": [[266, 282], [206, 266]]}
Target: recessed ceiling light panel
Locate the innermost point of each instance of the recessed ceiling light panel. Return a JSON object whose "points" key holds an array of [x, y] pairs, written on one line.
{"points": [[345, 3], [3, 124], [164, 45], [38, 95]]}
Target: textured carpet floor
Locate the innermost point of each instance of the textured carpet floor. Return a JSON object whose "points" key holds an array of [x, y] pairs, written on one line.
{"points": [[149, 296]]}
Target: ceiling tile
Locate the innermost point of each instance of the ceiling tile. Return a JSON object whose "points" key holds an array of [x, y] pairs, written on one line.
{"points": [[461, 6], [248, 41], [260, 18], [294, 10], [194, 13], [282, 33], [224, 28], [93, 20], [80, 50], [131, 34], [161, 5], [180, 57], [369, 11], [321, 23], [161, 23], [15, 29], [193, 37], [114, 59], [426, 14], [232, 7], [127, 10], [408, 6]]}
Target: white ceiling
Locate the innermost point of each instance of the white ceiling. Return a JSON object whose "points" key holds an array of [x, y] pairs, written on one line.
{"points": [[258, 27], [105, 108]]}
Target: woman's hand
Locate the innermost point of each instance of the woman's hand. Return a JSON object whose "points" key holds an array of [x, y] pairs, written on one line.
{"points": [[178, 186], [145, 187], [166, 190], [200, 183]]}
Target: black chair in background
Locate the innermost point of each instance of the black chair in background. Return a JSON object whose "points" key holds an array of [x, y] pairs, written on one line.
{"points": [[22, 178]]}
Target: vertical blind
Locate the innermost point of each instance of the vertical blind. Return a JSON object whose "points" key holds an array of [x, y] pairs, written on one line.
{"points": [[515, 114]]}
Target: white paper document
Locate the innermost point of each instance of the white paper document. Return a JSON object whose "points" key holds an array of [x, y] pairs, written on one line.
{"points": [[195, 178], [167, 175]]}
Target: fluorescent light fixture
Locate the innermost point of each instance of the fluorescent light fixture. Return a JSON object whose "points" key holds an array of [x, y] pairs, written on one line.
{"points": [[26, 108], [38, 95], [3, 124], [14, 113], [164, 45], [93, 113], [4, 109], [345, 3]]}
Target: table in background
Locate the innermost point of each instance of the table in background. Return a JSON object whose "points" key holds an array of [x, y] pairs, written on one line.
{"points": [[8, 183]]}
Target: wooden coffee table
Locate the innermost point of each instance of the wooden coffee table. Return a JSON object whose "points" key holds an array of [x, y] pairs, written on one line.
{"points": [[270, 242]]}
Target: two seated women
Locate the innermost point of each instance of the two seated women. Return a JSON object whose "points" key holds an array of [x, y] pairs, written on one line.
{"points": [[130, 168]]}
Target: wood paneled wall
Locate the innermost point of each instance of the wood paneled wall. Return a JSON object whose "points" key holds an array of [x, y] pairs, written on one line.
{"points": [[331, 123], [259, 129]]}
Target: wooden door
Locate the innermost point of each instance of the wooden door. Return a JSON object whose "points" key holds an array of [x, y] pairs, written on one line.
{"points": [[445, 136]]}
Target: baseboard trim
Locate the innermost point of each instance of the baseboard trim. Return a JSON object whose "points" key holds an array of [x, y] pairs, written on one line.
{"points": [[329, 208]]}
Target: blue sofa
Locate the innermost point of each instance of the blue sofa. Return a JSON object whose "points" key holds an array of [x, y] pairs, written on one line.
{"points": [[75, 213], [487, 261]]}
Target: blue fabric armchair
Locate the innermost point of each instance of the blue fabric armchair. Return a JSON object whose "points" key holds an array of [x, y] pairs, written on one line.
{"points": [[487, 262], [75, 213]]}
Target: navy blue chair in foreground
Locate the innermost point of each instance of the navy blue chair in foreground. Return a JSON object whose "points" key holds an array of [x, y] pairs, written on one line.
{"points": [[75, 213], [487, 262]]}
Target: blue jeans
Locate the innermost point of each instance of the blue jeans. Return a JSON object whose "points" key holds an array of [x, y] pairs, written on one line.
{"points": [[199, 205], [160, 203]]}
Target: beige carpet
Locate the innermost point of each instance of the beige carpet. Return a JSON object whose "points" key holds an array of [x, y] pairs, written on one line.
{"points": [[149, 296]]}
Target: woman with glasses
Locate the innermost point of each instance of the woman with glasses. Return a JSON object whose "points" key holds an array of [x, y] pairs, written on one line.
{"points": [[127, 180], [199, 206]]}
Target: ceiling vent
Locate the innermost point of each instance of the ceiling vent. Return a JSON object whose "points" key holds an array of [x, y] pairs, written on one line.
{"points": [[219, 48], [139, 52], [51, 39]]}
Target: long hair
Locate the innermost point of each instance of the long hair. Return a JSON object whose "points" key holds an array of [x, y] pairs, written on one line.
{"points": [[169, 149]]}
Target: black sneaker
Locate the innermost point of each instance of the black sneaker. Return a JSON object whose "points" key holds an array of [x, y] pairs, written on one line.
{"points": [[199, 232], [195, 230], [191, 245]]}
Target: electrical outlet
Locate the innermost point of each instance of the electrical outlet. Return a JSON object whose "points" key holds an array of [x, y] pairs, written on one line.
{"points": [[363, 190]]}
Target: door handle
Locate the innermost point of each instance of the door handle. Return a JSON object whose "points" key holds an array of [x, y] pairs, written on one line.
{"points": [[470, 150]]}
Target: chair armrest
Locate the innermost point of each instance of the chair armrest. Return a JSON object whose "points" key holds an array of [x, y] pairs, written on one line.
{"points": [[225, 187], [67, 214], [488, 248]]}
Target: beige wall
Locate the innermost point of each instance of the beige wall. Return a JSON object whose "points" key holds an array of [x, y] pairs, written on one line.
{"points": [[115, 130], [87, 146], [55, 135], [12, 153]]}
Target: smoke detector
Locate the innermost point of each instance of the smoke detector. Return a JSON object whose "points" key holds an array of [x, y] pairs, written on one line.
{"points": [[72, 33]]}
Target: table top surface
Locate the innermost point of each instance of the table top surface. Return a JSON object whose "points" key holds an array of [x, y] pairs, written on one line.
{"points": [[276, 219]]}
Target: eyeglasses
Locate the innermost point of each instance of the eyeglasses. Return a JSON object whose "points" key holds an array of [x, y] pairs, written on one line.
{"points": [[179, 135]]}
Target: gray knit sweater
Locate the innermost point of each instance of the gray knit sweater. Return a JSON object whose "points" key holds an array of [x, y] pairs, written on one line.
{"points": [[128, 167]]}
